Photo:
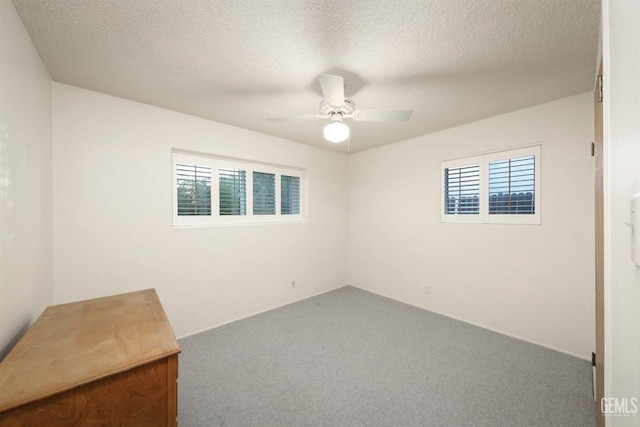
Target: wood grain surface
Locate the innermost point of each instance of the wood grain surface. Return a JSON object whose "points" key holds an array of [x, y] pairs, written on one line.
{"points": [[111, 359], [133, 398]]}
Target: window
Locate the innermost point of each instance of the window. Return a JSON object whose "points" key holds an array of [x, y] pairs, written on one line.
{"points": [[501, 187], [211, 191], [462, 189], [193, 189], [512, 186], [264, 193], [290, 190], [233, 191]]}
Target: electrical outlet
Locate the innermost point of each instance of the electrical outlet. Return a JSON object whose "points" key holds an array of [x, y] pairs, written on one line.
{"points": [[427, 290], [293, 284]]}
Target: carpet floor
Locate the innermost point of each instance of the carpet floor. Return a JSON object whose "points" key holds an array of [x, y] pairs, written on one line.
{"points": [[352, 358]]}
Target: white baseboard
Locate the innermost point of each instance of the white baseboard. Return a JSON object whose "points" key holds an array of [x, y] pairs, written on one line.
{"points": [[259, 312], [399, 300], [477, 324]]}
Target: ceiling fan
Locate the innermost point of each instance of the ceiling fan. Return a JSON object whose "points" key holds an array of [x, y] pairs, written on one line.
{"points": [[337, 108]]}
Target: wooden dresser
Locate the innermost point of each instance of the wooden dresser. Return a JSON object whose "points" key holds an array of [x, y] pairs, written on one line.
{"points": [[104, 362]]}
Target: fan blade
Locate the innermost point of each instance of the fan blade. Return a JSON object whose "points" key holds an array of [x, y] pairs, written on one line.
{"points": [[382, 115], [332, 89], [301, 117]]}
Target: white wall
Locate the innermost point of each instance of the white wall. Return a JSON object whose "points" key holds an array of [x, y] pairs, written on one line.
{"points": [[621, 60], [113, 215], [535, 282], [25, 180]]}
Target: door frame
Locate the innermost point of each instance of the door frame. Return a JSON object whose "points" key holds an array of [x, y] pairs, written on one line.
{"points": [[598, 153]]}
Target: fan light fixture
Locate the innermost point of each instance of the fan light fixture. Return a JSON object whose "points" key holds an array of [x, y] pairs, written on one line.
{"points": [[336, 131], [337, 108]]}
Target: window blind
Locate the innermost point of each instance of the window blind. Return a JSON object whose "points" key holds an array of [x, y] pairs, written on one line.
{"points": [[462, 190], [289, 195], [193, 189], [512, 186], [233, 192], [264, 193]]}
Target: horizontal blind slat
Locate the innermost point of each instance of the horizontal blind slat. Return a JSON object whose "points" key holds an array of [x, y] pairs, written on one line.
{"points": [[462, 190], [512, 186], [233, 193], [193, 186], [264, 189], [289, 195]]}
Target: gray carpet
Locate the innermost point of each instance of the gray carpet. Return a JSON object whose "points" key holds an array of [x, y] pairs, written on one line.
{"points": [[352, 358]]}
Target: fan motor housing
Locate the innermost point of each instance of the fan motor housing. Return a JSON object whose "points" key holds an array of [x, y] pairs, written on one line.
{"points": [[345, 109]]}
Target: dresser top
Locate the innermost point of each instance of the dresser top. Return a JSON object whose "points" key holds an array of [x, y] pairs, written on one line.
{"points": [[77, 343]]}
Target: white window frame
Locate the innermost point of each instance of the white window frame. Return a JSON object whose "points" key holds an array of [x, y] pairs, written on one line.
{"points": [[217, 163], [483, 217]]}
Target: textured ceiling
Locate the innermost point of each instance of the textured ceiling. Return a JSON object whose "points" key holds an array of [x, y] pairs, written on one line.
{"points": [[241, 61]]}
